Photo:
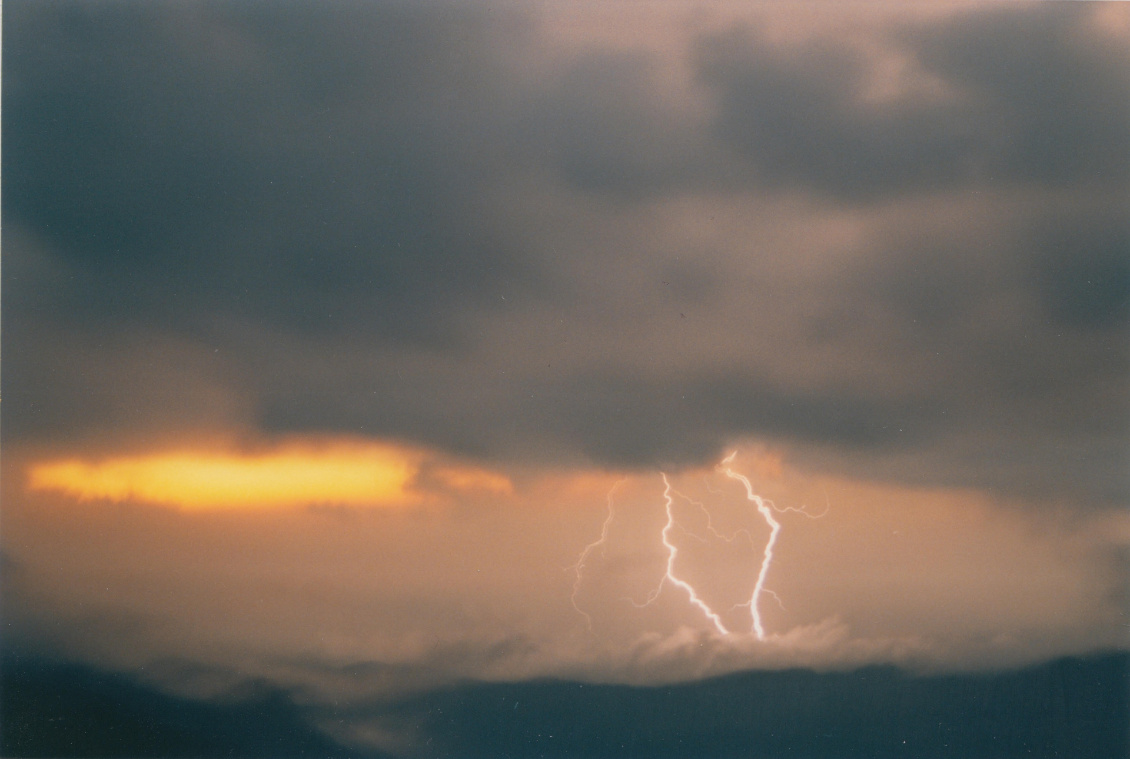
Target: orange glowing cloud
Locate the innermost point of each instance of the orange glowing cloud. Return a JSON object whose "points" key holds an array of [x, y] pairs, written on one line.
{"points": [[349, 474], [470, 479]]}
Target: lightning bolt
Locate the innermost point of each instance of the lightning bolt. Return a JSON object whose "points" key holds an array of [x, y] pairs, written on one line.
{"points": [[579, 567], [765, 508], [672, 554], [767, 558]]}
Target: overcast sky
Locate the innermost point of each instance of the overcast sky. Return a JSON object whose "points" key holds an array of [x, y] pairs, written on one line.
{"points": [[510, 256]]}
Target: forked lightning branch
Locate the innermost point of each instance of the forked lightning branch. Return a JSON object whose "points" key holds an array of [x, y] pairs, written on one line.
{"points": [[763, 507]]}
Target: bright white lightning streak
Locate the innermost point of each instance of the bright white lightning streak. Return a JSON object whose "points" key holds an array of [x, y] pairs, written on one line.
{"points": [[767, 559], [580, 565], [672, 554], [764, 507]]}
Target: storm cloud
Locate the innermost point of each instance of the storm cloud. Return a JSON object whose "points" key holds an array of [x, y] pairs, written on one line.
{"points": [[447, 225]]}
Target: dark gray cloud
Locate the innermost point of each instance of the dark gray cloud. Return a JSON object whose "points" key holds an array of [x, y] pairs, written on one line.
{"points": [[438, 224], [1025, 99], [1083, 271], [800, 123], [1050, 100], [308, 181]]}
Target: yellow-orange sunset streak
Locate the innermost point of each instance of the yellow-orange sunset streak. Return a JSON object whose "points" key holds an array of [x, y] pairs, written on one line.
{"points": [[351, 475]]}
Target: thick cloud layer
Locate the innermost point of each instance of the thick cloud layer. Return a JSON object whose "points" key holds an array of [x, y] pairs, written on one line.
{"points": [[996, 97], [900, 247]]}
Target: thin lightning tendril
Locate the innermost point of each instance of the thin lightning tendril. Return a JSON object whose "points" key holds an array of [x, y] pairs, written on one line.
{"points": [[710, 524], [796, 510], [579, 567], [776, 598]]}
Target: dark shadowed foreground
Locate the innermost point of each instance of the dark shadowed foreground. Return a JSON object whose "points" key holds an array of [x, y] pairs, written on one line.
{"points": [[1076, 707]]}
